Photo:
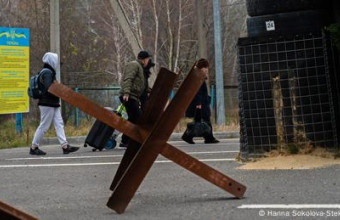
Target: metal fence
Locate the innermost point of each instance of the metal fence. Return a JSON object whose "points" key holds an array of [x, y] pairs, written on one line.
{"points": [[109, 97], [106, 97], [285, 93]]}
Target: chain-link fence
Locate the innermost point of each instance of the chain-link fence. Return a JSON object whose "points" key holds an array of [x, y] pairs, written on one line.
{"points": [[285, 93], [106, 97]]}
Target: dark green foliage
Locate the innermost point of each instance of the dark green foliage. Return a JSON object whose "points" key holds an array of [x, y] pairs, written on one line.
{"points": [[292, 149], [334, 30]]}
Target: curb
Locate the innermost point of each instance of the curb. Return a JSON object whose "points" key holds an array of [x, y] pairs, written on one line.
{"points": [[173, 137]]}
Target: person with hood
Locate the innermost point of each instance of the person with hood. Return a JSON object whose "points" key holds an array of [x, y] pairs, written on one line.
{"points": [[49, 106], [199, 109], [133, 86]]}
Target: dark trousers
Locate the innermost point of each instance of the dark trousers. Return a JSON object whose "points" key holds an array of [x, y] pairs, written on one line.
{"points": [[133, 111], [206, 118]]}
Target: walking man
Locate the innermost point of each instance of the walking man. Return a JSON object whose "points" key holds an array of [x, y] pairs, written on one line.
{"points": [[133, 85]]}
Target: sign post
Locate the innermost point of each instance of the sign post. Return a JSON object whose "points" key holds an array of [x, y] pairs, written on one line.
{"points": [[18, 122]]}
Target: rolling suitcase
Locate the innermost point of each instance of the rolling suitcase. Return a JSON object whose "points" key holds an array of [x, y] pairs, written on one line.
{"points": [[99, 135], [103, 136]]}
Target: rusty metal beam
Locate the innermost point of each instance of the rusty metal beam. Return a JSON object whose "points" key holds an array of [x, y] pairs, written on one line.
{"points": [[93, 109], [147, 154], [8, 212], [155, 107], [203, 170], [140, 133], [169, 152]]}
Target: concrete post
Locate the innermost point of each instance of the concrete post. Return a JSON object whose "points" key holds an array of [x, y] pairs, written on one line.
{"points": [[218, 65], [55, 32]]}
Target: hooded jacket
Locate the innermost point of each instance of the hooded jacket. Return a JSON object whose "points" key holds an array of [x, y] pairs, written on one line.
{"points": [[48, 75]]}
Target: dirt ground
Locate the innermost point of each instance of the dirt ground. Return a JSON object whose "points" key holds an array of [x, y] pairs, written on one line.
{"points": [[278, 161]]}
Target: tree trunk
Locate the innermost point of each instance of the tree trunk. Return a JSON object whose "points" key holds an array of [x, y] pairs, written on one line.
{"points": [[155, 53], [124, 22], [170, 36], [178, 35]]}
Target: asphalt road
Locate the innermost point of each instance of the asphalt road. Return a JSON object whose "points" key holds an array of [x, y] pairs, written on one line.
{"points": [[76, 186]]}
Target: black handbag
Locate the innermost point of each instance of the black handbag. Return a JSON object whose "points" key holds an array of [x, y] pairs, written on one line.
{"points": [[198, 129]]}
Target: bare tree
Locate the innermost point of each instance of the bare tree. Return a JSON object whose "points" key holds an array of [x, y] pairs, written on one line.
{"points": [[155, 14], [170, 35], [178, 34], [120, 52], [134, 11], [233, 22], [5, 7], [94, 49]]}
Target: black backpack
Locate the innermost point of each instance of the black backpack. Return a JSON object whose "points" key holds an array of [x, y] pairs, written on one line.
{"points": [[36, 87]]}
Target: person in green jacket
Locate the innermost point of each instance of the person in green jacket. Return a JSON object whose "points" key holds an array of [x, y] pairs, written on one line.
{"points": [[133, 85]]}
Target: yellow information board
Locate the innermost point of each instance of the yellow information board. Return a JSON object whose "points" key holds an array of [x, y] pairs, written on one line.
{"points": [[14, 70]]}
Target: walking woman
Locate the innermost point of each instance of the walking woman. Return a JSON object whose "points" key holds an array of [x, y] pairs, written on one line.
{"points": [[199, 108]]}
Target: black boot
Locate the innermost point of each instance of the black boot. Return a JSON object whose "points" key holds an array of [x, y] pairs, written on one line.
{"points": [[186, 138], [211, 141]]}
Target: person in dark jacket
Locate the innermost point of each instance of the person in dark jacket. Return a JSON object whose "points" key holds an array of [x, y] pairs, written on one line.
{"points": [[49, 106], [133, 85], [147, 72], [199, 109]]}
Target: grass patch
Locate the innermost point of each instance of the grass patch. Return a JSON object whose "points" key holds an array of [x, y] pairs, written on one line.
{"points": [[10, 138], [70, 130]]}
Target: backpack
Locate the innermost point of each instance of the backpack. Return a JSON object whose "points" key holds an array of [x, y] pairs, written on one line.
{"points": [[36, 87]]}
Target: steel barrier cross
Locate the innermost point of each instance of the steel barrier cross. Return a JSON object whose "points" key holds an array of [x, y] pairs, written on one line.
{"points": [[8, 212], [150, 135]]}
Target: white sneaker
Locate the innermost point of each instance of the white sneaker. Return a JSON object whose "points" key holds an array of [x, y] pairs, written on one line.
{"points": [[122, 146]]}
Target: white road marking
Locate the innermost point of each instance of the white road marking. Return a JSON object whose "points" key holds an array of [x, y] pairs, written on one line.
{"points": [[107, 156], [97, 164], [290, 206], [212, 152], [64, 158]]}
